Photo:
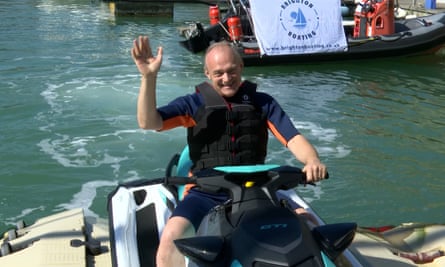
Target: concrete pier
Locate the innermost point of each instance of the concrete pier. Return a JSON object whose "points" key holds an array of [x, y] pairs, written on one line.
{"points": [[423, 5], [149, 7], [166, 7], [126, 8]]}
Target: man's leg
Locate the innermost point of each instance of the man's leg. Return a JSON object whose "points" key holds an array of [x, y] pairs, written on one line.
{"points": [[185, 218], [168, 255]]}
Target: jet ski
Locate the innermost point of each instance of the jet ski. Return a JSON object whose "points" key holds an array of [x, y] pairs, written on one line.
{"points": [[256, 227]]}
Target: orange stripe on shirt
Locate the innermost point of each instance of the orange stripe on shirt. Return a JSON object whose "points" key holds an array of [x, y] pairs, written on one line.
{"points": [[276, 133], [185, 120]]}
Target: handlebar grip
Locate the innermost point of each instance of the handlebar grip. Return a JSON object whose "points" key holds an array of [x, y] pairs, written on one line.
{"points": [[312, 183], [179, 180]]}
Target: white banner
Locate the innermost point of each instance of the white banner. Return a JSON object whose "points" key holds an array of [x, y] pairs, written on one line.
{"points": [[285, 27]]}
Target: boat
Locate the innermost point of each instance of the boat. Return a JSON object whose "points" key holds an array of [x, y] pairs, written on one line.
{"points": [[373, 32], [139, 209], [67, 238]]}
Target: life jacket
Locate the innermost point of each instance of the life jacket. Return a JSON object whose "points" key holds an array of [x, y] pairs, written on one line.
{"points": [[228, 133]]}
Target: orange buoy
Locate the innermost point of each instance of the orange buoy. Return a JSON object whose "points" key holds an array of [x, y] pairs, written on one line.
{"points": [[214, 15], [235, 30]]}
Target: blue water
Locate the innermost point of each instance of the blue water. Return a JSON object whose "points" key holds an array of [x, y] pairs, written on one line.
{"points": [[68, 130]]}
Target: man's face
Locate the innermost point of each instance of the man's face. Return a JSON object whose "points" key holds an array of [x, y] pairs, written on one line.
{"points": [[223, 70]]}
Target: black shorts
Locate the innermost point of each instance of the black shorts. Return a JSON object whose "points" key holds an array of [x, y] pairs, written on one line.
{"points": [[196, 204]]}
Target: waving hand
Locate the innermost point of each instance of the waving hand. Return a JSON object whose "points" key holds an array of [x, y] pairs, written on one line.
{"points": [[147, 64]]}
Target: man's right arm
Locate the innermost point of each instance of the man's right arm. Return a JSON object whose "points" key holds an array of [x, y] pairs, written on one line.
{"points": [[147, 114], [148, 65]]}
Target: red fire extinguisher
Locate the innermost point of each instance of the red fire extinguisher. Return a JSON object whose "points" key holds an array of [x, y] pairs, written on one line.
{"points": [[214, 15], [235, 30]]}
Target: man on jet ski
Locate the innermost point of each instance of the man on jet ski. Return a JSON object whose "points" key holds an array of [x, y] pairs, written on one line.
{"points": [[227, 122]]}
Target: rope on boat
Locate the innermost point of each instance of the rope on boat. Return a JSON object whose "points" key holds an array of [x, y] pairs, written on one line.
{"points": [[224, 28], [421, 257]]}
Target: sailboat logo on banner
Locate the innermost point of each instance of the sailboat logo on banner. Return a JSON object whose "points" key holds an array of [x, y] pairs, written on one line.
{"points": [[299, 19]]}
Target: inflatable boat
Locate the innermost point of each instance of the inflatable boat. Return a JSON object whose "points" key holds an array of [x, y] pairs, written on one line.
{"points": [[373, 32], [138, 211]]}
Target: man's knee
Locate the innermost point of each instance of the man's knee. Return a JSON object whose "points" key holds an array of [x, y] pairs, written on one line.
{"points": [[177, 227], [168, 255], [310, 219]]}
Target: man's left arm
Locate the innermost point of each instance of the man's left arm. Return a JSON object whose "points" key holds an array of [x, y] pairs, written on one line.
{"points": [[306, 153], [284, 130]]}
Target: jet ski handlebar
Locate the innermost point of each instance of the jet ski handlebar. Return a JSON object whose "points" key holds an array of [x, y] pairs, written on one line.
{"points": [[274, 178]]}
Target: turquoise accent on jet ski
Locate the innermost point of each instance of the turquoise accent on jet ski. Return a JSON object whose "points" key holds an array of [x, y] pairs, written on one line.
{"points": [[183, 169], [236, 263], [247, 168], [184, 163], [327, 262]]}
